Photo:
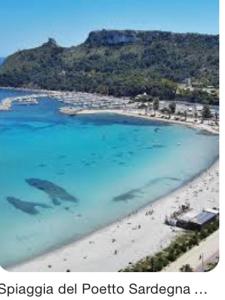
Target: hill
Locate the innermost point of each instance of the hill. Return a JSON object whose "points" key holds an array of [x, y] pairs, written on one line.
{"points": [[2, 60], [118, 62]]}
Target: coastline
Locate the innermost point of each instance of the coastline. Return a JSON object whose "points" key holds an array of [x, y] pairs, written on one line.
{"points": [[138, 114], [115, 246]]}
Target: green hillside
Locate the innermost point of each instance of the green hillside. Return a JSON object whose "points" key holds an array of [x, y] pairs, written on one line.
{"points": [[122, 63]]}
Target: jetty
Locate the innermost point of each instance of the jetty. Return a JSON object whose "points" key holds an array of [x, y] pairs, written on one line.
{"points": [[7, 103]]}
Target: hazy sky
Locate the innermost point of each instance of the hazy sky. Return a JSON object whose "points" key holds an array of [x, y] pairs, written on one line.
{"points": [[29, 23]]}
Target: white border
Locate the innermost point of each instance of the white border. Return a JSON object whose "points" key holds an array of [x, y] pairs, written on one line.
{"points": [[212, 282]]}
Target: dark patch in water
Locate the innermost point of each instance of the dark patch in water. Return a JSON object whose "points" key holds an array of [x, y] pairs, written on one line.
{"points": [[135, 192], [158, 146], [127, 196], [156, 129], [156, 180], [55, 192], [119, 154], [113, 119], [27, 207], [205, 132], [42, 165], [122, 163]]}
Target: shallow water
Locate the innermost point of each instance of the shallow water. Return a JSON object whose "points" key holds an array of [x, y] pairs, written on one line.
{"points": [[63, 177]]}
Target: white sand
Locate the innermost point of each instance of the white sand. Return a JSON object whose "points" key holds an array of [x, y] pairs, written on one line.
{"points": [[132, 238]]}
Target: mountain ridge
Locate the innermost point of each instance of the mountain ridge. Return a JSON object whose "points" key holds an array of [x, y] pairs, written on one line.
{"points": [[117, 62], [2, 60]]}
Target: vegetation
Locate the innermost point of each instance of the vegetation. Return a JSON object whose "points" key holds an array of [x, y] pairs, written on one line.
{"points": [[206, 112], [197, 96], [120, 63], [156, 104], [186, 268], [178, 247], [210, 266], [172, 107]]}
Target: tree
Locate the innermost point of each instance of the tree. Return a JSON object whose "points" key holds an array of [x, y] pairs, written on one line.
{"points": [[206, 112], [172, 107], [156, 104], [216, 115], [195, 240], [186, 268], [171, 255], [144, 98], [195, 115]]}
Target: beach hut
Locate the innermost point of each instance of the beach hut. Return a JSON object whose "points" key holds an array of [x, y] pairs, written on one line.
{"points": [[194, 220]]}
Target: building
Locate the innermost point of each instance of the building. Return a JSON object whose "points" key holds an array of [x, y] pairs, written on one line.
{"points": [[194, 220]]}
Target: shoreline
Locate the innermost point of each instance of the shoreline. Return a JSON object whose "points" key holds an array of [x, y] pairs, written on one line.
{"points": [[60, 96], [70, 253], [137, 114], [96, 251]]}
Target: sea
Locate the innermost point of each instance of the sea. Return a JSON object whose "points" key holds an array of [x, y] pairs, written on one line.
{"points": [[63, 177]]}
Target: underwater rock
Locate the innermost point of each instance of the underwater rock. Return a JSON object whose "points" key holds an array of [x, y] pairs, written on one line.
{"points": [[55, 192], [137, 192], [127, 196], [160, 179], [27, 207]]}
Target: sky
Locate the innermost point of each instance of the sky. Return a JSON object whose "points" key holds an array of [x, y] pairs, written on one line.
{"points": [[29, 23]]}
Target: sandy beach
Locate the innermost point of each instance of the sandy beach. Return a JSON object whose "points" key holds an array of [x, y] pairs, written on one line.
{"points": [[132, 238], [138, 235]]}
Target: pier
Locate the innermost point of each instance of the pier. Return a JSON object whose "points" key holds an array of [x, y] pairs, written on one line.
{"points": [[7, 103]]}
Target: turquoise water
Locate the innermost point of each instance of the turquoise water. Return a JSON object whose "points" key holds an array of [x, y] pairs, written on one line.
{"points": [[64, 177], [5, 93]]}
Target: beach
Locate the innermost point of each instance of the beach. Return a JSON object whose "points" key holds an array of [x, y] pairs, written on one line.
{"points": [[140, 234], [132, 238]]}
